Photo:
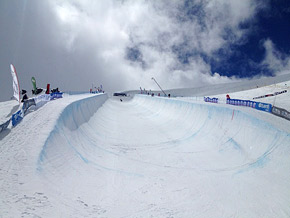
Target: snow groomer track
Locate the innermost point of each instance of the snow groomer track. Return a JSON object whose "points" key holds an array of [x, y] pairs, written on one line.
{"points": [[148, 157]]}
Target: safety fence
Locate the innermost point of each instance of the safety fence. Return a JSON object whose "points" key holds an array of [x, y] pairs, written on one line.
{"points": [[36, 101], [281, 112], [256, 105], [211, 100], [253, 104]]}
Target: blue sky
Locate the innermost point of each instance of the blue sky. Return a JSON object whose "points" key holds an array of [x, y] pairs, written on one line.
{"points": [[271, 23], [242, 56], [75, 44]]}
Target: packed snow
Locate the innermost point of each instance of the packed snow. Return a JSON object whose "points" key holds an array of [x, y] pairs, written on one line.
{"points": [[93, 155]]}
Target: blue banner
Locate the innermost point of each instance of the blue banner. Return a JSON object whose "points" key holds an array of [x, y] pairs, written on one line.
{"points": [[55, 95], [212, 100], [263, 107], [253, 104], [239, 102], [17, 117]]}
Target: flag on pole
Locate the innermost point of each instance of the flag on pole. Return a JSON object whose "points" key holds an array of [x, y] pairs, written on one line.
{"points": [[16, 88]]}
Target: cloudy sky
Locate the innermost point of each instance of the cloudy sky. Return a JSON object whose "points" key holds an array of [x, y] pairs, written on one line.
{"points": [[122, 44]]}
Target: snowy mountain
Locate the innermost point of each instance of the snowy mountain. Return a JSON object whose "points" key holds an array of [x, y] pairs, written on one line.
{"points": [[96, 156]]}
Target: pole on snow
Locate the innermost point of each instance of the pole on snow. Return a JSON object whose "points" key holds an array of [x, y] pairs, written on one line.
{"points": [[159, 86]]}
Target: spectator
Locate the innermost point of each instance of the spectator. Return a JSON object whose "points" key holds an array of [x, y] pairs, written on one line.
{"points": [[24, 95]]}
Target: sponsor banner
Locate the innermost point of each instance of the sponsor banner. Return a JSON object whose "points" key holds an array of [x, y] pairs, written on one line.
{"points": [[263, 107], [37, 101], [27, 104], [281, 112], [16, 88], [4, 125], [278, 93], [42, 98], [253, 104], [55, 95], [212, 100], [239, 102], [17, 117], [47, 97], [269, 95]]}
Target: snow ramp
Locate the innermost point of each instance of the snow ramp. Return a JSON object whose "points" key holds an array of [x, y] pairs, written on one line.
{"points": [[160, 157]]}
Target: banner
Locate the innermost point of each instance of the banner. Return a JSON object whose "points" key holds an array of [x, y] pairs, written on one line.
{"points": [[27, 104], [17, 117], [264, 107], [16, 88], [37, 101], [281, 112], [55, 95], [34, 85], [212, 100], [246, 103], [42, 98], [269, 95], [239, 102]]}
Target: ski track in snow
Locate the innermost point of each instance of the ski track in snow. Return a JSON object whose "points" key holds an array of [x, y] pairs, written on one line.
{"points": [[94, 156]]}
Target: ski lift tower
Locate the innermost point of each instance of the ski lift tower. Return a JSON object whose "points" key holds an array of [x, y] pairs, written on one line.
{"points": [[159, 86]]}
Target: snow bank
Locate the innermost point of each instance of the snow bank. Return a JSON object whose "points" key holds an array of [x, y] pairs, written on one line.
{"points": [[73, 116]]}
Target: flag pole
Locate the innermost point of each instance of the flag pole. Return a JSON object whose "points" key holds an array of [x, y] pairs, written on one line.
{"points": [[158, 85]]}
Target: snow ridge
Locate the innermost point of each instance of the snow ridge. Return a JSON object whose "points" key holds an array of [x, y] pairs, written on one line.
{"points": [[73, 116]]}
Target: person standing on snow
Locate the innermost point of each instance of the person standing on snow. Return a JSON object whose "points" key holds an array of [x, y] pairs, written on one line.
{"points": [[24, 95]]}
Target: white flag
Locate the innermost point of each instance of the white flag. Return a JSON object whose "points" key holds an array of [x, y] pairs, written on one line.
{"points": [[16, 88]]}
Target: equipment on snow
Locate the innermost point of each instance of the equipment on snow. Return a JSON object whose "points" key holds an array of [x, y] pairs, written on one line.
{"points": [[47, 88]]}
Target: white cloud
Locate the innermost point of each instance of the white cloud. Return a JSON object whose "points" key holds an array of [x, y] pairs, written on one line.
{"points": [[275, 60], [105, 29]]}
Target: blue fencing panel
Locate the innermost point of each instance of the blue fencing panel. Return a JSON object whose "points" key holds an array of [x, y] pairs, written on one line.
{"points": [[263, 106], [55, 95], [17, 117], [212, 100], [257, 105], [239, 102]]}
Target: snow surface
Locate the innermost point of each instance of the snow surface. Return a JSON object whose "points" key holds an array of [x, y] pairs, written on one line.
{"points": [[94, 156]]}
